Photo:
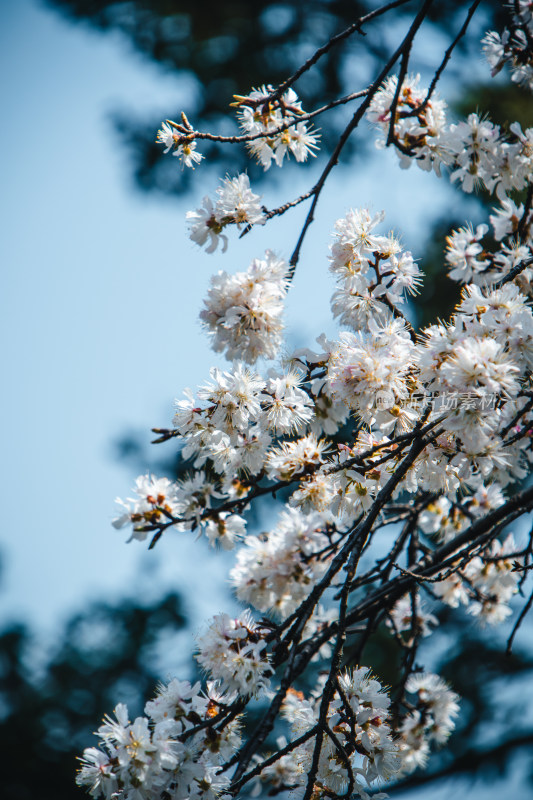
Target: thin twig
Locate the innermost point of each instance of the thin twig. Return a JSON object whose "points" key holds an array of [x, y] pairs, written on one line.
{"points": [[518, 623]]}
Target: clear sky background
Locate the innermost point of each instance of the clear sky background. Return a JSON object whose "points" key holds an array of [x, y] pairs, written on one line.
{"points": [[101, 294]]}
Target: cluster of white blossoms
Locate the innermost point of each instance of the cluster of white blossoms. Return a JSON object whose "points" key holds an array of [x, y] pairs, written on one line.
{"points": [[244, 312], [234, 419], [430, 722], [477, 152], [446, 519], [170, 752], [483, 357], [477, 257], [294, 458], [361, 751], [285, 773], [409, 616], [156, 499], [184, 503], [513, 47], [243, 426], [235, 204], [423, 434], [373, 368], [277, 570], [371, 270], [466, 256], [273, 130], [486, 584], [418, 124], [274, 121], [233, 652], [342, 490]]}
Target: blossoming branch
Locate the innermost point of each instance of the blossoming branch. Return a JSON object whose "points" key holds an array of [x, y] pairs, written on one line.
{"points": [[360, 434]]}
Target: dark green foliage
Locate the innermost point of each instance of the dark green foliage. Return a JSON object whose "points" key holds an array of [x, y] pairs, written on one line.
{"points": [[51, 704], [439, 293]]}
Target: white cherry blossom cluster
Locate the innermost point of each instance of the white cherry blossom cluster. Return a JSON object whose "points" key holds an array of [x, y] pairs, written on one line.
{"points": [[477, 257], [419, 122], [156, 499], [446, 519], [485, 585], [184, 503], [340, 490], [244, 312], [167, 753], [477, 152], [295, 458], [232, 651], [358, 714], [285, 773], [409, 616], [495, 581], [372, 368], [225, 529], [274, 121], [512, 47], [233, 420], [507, 220], [330, 415], [235, 204], [372, 271], [430, 722], [242, 425], [466, 256], [277, 570], [287, 408], [231, 428], [483, 355]]}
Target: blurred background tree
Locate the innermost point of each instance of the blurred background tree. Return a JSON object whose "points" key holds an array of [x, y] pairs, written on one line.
{"points": [[107, 653], [50, 701]]}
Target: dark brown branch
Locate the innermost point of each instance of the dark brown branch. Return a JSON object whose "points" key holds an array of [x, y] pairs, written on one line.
{"points": [[519, 621], [523, 225], [236, 785], [514, 272]]}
